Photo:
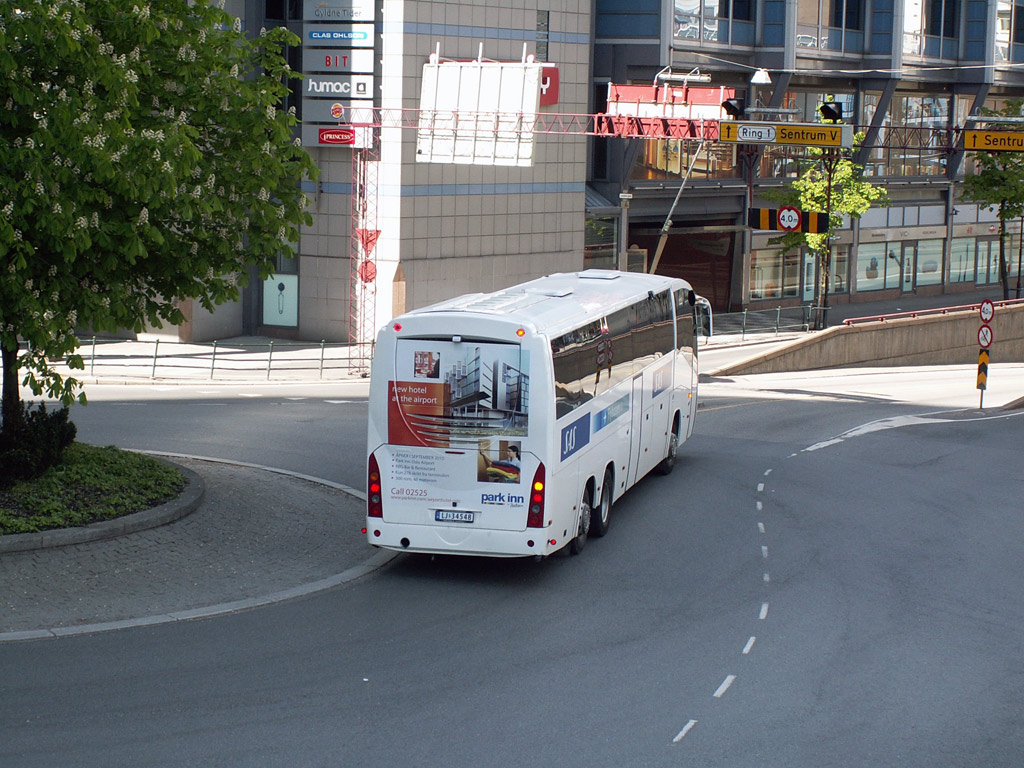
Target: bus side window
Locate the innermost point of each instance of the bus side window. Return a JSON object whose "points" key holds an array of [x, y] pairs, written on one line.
{"points": [[620, 327], [573, 358]]}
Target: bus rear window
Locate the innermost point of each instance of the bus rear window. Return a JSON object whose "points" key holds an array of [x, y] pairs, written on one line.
{"points": [[446, 394]]}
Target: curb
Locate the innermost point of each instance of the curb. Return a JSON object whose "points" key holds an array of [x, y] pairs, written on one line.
{"points": [[195, 488], [379, 560], [175, 509]]}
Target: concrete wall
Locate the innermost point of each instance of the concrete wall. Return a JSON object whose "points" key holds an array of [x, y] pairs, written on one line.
{"points": [[929, 340]]}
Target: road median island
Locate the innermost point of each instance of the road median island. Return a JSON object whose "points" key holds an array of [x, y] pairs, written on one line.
{"points": [[108, 524]]}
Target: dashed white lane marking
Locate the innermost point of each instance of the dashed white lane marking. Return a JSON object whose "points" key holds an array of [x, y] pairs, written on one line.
{"points": [[724, 686], [764, 552], [682, 733], [767, 472], [760, 487], [764, 611], [749, 645], [767, 578], [250, 394], [296, 398], [760, 527], [339, 402], [760, 506]]}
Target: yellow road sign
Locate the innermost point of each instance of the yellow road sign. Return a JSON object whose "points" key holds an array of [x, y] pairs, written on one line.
{"points": [[800, 134], [994, 141]]}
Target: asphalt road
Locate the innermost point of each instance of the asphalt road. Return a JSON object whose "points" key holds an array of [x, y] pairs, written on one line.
{"points": [[829, 577]]}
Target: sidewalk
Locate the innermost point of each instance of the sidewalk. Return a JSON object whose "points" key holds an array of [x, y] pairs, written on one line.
{"points": [[257, 536]]}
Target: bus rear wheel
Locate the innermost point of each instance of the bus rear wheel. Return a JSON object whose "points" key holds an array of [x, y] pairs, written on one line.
{"points": [[666, 465], [579, 541], [601, 516]]}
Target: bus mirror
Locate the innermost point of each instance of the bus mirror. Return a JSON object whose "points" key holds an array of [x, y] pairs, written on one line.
{"points": [[692, 298]]}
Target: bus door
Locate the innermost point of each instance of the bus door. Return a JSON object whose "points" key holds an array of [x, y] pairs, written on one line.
{"points": [[635, 428]]}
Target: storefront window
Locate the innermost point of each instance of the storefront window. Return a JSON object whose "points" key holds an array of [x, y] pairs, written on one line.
{"points": [[765, 275], [929, 262], [961, 260], [871, 266], [791, 275], [893, 264], [1014, 257]]}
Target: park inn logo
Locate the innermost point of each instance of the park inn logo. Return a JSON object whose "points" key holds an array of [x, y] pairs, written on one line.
{"points": [[500, 499]]}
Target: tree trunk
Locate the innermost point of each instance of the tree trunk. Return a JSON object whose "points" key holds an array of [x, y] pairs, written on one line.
{"points": [[10, 412]]}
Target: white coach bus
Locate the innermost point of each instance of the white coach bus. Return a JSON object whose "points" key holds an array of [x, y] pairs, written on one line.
{"points": [[506, 424]]}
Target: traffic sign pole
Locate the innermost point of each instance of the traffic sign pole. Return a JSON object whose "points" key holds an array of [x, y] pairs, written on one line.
{"points": [[987, 311]]}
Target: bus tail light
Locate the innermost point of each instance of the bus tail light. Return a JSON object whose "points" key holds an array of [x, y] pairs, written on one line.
{"points": [[374, 503], [535, 515]]}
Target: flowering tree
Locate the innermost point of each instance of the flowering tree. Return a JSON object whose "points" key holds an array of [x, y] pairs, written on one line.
{"points": [[143, 161]]}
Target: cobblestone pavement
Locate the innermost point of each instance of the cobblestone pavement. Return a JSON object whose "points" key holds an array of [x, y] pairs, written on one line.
{"points": [[256, 536]]}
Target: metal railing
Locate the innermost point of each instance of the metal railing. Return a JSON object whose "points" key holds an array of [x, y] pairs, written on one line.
{"points": [[764, 320], [223, 360], [925, 312]]}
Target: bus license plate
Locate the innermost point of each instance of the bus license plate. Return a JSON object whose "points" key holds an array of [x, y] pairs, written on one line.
{"points": [[453, 516]]}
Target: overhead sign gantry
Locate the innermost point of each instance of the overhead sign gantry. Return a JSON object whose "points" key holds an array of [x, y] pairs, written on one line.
{"points": [[798, 134]]}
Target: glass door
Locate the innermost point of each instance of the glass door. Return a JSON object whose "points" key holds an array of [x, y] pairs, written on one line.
{"points": [[809, 273], [988, 262], [908, 267]]}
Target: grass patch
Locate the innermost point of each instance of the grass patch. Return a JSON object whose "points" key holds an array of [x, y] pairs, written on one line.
{"points": [[90, 484]]}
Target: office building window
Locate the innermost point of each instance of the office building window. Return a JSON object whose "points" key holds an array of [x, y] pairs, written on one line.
{"points": [[930, 28], [913, 136], [833, 25], [1009, 30], [543, 32], [719, 21], [599, 146]]}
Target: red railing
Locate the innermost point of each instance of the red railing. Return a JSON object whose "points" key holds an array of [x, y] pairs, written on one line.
{"points": [[925, 312]]}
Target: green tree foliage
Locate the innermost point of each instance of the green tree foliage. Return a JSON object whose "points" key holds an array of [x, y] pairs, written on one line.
{"points": [[999, 185], [828, 182], [143, 161]]}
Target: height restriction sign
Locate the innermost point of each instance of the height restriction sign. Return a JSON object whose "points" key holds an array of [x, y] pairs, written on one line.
{"points": [[987, 311], [789, 218]]}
